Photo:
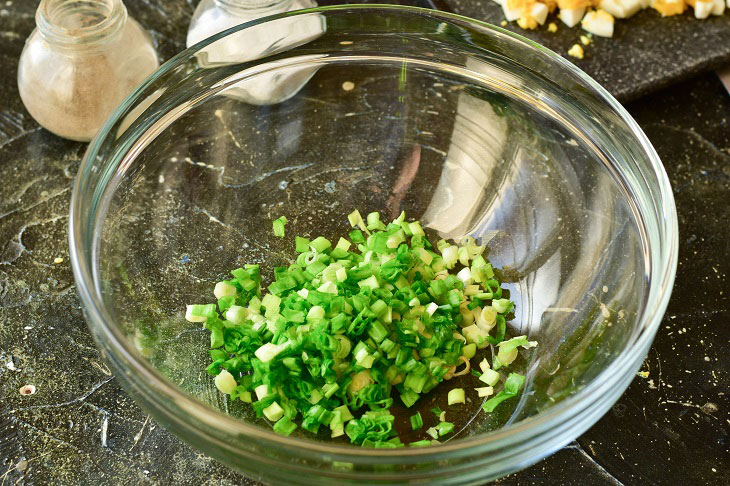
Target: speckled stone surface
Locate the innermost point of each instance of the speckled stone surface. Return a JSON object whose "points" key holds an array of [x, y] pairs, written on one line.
{"points": [[646, 52], [672, 426]]}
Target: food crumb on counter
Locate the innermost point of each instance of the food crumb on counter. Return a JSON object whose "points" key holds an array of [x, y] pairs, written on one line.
{"points": [[58, 260], [552, 27], [585, 40], [576, 51]]}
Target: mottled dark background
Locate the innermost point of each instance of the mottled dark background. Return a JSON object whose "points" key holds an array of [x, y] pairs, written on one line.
{"points": [[670, 427]]}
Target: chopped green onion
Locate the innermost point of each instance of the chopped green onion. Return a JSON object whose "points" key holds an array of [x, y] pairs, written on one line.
{"points": [[484, 391], [285, 426], [200, 313], [225, 382], [279, 226], [302, 244], [274, 412], [345, 328], [456, 395], [444, 428], [511, 387], [416, 421], [490, 377], [501, 305]]}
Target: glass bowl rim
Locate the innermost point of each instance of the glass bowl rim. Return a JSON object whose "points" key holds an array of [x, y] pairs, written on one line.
{"points": [[659, 286]]}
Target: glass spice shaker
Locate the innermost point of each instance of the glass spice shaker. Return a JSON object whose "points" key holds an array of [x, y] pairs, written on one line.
{"points": [[214, 16], [81, 61]]}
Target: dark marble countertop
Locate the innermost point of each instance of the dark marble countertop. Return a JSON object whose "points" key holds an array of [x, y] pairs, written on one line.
{"points": [[672, 426]]}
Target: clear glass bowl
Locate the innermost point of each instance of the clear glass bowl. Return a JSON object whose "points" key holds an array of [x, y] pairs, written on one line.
{"points": [[467, 127]]}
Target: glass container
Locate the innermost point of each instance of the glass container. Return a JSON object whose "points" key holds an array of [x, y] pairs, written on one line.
{"points": [[214, 16], [81, 61], [465, 126]]}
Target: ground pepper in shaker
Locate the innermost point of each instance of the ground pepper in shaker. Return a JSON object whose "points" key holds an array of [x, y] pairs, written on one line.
{"points": [[81, 61]]}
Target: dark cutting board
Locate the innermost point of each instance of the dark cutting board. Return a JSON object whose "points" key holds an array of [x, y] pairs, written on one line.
{"points": [[646, 52]]}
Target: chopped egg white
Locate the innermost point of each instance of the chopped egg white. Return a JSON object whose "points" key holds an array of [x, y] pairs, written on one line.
{"points": [[719, 7], [703, 9], [598, 22], [539, 12], [571, 16], [621, 9], [511, 11]]}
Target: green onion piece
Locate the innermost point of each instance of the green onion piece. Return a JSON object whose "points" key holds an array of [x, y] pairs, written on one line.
{"points": [[416, 421], [502, 305], [273, 412], [420, 443], [284, 426], [409, 398], [436, 411], [511, 387], [444, 428], [469, 351], [302, 244], [200, 313], [456, 395], [490, 377], [320, 244], [225, 382], [279, 226]]}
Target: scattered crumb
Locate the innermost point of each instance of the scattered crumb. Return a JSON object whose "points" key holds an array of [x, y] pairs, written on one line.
{"points": [[348, 85], [552, 27], [585, 40], [707, 358], [58, 260], [503, 23], [576, 51], [27, 390], [527, 23], [643, 374], [345, 43], [604, 289]]}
